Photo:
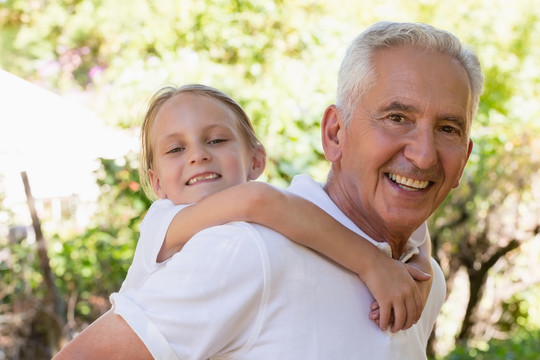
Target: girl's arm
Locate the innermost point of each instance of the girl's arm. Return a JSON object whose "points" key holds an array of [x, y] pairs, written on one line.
{"points": [[390, 281], [422, 262]]}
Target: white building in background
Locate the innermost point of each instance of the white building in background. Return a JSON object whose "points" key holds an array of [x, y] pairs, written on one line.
{"points": [[57, 142]]}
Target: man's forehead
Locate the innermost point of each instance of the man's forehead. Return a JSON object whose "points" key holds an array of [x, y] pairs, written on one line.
{"points": [[409, 78]]}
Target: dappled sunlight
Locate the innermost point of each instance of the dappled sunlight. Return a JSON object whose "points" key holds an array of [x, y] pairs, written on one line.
{"points": [[75, 79]]}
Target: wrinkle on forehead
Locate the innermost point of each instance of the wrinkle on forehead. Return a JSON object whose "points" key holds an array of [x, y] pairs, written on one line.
{"points": [[417, 86]]}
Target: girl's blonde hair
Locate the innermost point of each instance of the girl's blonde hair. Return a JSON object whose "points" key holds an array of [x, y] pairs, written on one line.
{"points": [[146, 155]]}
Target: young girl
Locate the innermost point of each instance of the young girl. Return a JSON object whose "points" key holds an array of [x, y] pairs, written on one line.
{"points": [[199, 147]]}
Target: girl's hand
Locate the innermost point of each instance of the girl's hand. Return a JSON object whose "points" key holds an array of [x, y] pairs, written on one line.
{"points": [[399, 301]]}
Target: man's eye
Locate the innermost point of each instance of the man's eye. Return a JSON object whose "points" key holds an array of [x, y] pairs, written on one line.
{"points": [[175, 150], [450, 129], [397, 118]]}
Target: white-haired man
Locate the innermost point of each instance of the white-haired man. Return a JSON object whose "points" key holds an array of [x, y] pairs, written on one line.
{"points": [[398, 141]]}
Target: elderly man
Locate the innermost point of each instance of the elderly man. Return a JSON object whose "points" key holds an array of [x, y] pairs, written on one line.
{"points": [[398, 141]]}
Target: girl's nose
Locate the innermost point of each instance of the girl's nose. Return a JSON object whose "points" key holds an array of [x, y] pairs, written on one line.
{"points": [[198, 154]]}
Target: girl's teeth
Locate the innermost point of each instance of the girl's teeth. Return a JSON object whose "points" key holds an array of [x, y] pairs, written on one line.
{"points": [[200, 178]]}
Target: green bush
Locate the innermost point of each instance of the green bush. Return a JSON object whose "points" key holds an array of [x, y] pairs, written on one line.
{"points": [[524, 345], [91, 265]]}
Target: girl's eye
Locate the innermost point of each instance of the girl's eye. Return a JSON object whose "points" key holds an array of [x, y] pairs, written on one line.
{"points": [[216, 141], [175, 150]]}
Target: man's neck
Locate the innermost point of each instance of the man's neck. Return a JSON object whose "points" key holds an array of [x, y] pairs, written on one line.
{"points": [[373, 226]]}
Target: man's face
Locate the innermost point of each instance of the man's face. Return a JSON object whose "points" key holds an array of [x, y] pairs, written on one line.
{"points": [[407, 143]]}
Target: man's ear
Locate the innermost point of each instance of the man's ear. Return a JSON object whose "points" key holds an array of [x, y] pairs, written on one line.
{"points": [[469, 150], [258, 163], [156, 184], [331, 125]]}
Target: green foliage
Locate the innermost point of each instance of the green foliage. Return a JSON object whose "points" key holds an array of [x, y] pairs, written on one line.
{"points": [[523, 345], [21, 280], [516, 314], [122, 200], [236, 46], [279, 59], [94, 263], [496, 202], [91, 264]]}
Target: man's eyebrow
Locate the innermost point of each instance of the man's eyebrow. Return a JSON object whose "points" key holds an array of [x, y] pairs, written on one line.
{"points": [[399, 106], [396, 105], [459, 120]]}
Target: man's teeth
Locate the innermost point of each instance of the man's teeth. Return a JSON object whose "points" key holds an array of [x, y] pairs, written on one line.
{"points": [[411, 184], [203, 177]]}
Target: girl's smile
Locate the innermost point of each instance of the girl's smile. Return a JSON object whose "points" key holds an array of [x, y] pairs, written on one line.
{"points": [[198, 149]]}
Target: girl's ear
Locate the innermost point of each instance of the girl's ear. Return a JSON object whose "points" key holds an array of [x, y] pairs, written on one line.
{"points": [[156, 184], [258, 163], [331, 126]]}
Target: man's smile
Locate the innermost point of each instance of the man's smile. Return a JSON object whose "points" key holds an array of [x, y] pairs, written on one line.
{"points": [[408, 184]]}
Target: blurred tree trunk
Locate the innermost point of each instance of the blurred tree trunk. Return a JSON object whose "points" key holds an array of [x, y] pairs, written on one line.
{"points": [[47, 320], [477, 240], [452, 265], [478, 273]]}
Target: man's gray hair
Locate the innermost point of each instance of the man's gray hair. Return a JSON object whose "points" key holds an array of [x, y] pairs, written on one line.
{"points": [[357, 76]]}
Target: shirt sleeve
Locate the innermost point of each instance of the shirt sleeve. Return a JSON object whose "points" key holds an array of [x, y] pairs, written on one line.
{"points": [[206, 299], [155, 226], [152, 234]]}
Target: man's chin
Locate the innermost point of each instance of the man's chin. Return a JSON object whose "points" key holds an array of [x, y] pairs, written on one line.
{"points": [[405, 222]]}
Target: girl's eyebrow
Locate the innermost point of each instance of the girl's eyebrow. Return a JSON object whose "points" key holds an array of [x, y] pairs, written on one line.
{"points": [[174, 135], [219, 126], [165, 138]]}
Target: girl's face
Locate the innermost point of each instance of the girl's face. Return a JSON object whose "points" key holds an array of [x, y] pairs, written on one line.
{"points": [[199, 150]]}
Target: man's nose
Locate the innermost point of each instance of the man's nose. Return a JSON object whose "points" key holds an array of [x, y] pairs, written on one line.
{"points": [[421, 148], [198, 154]]}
